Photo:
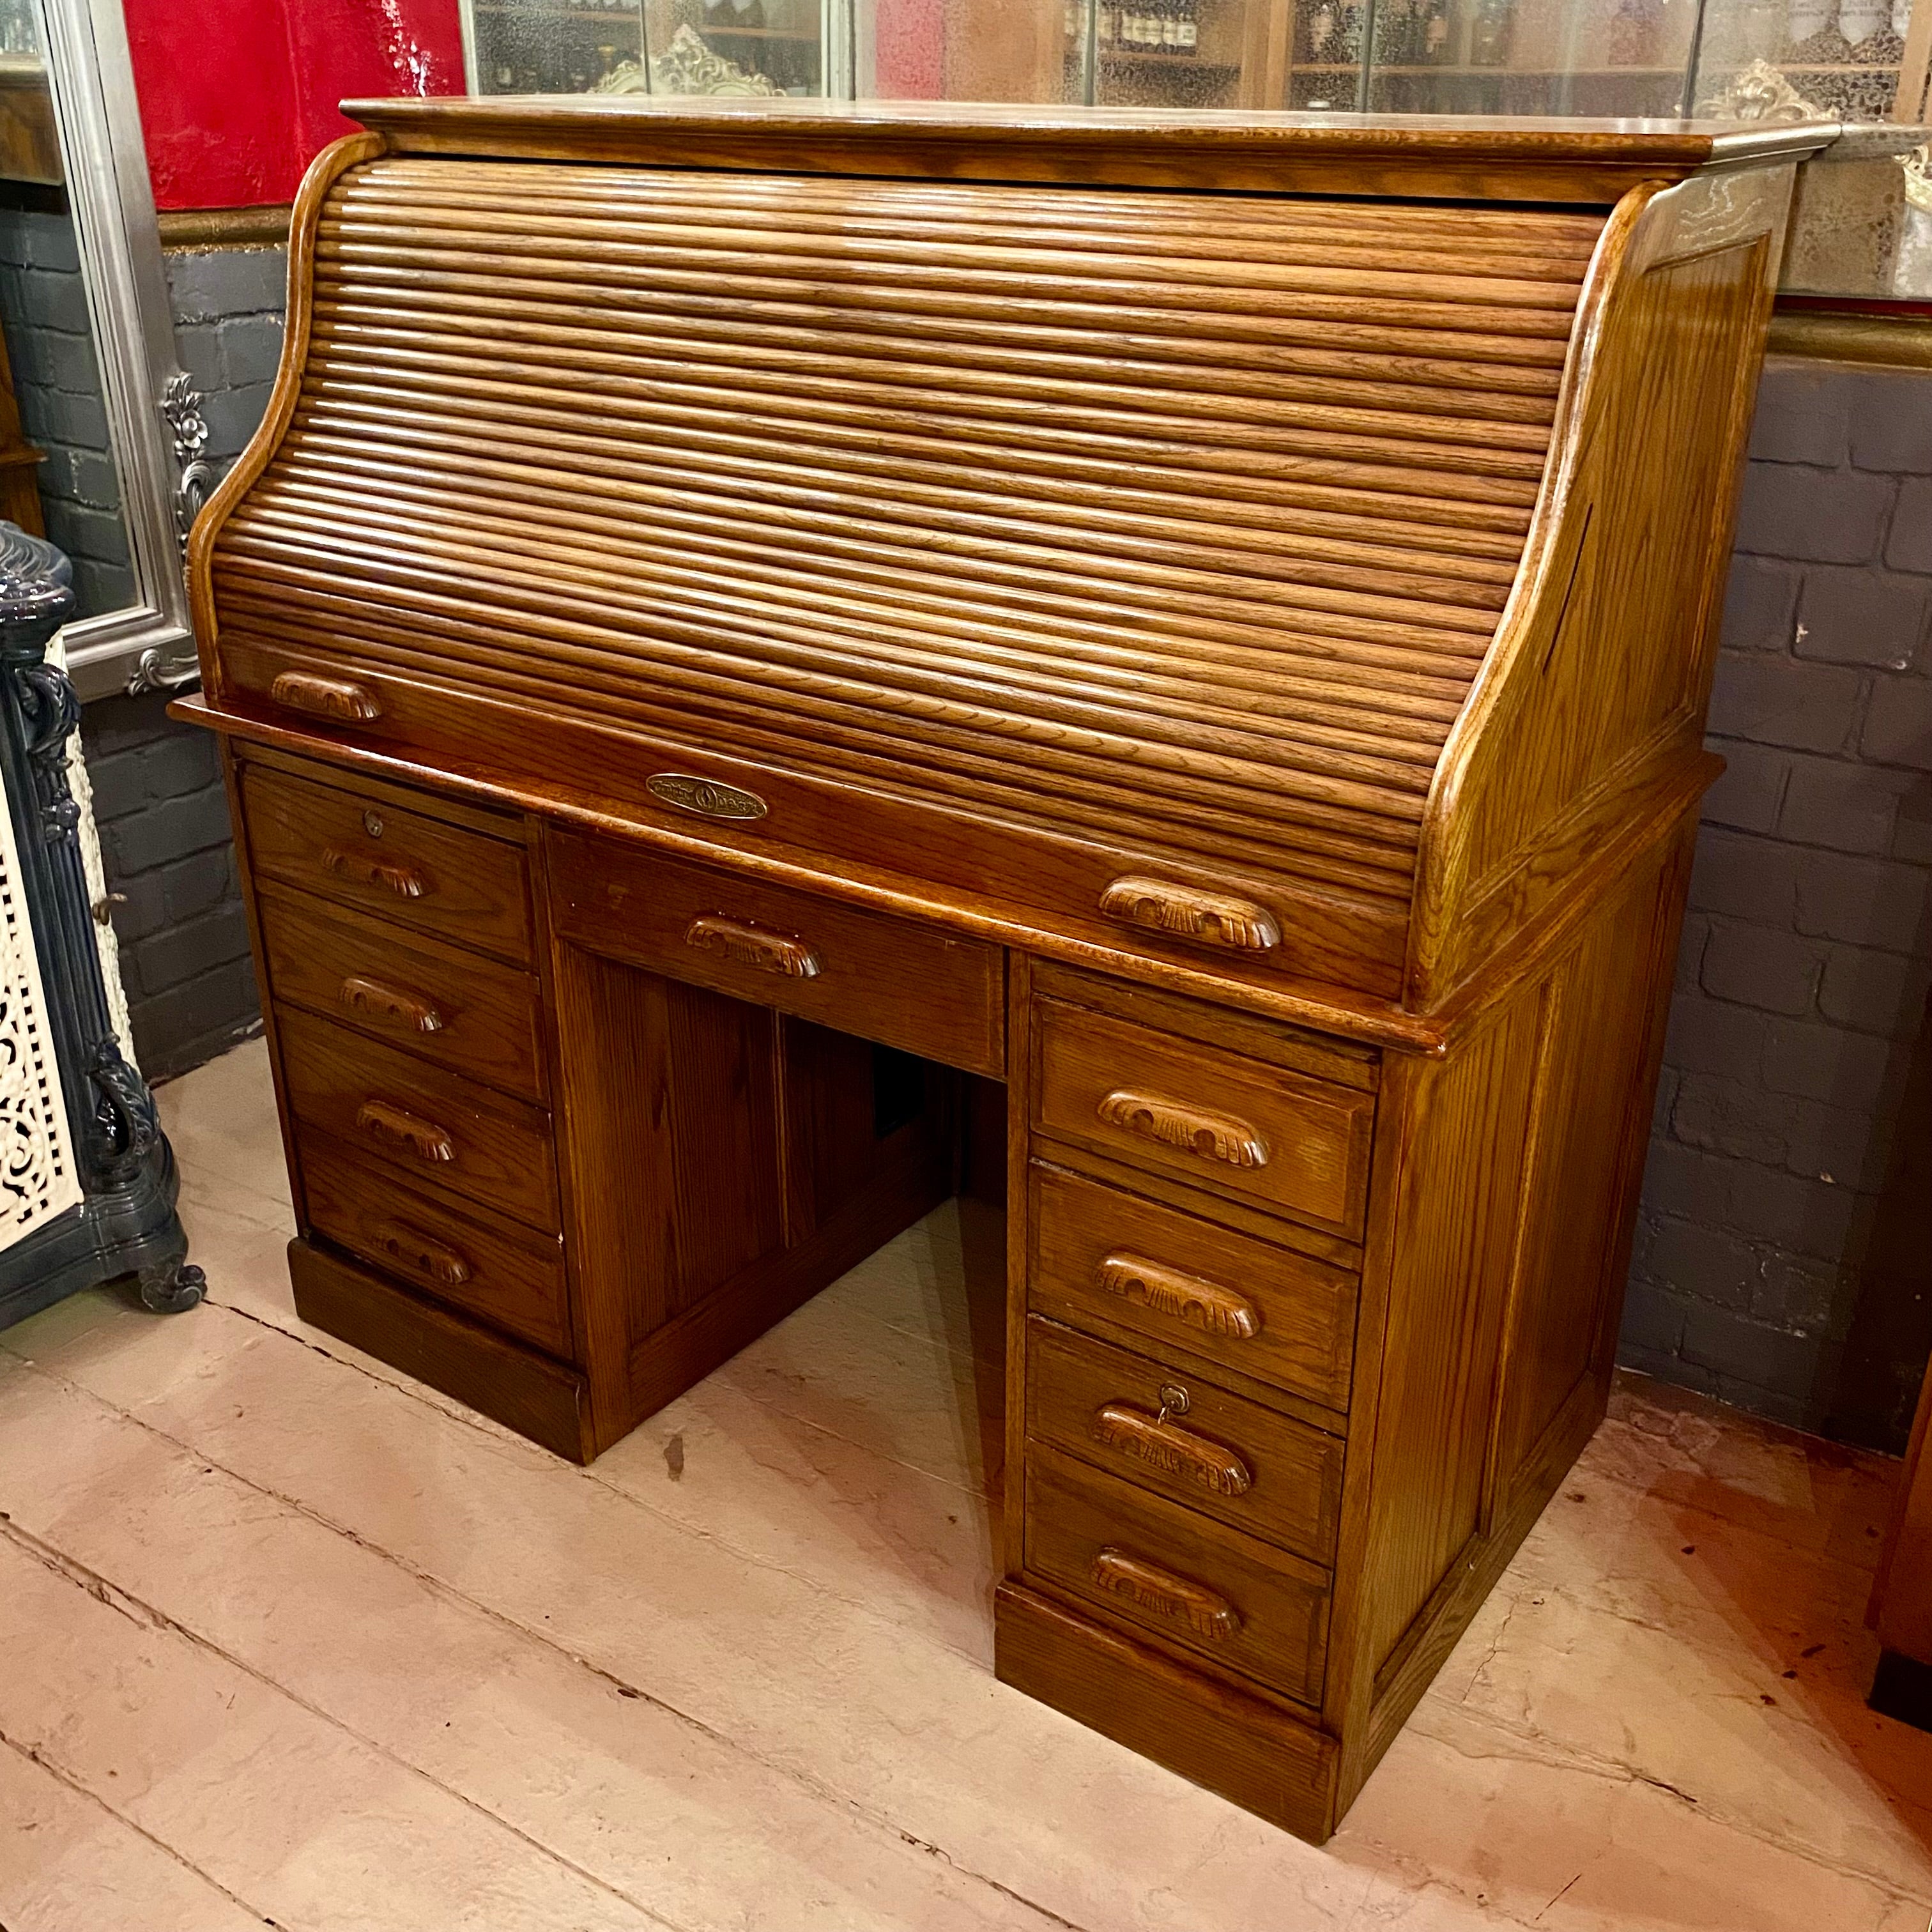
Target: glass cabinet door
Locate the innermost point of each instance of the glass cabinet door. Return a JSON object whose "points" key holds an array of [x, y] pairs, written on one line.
{"points": [[1856, 59], [1594, 57], [645, 46]]}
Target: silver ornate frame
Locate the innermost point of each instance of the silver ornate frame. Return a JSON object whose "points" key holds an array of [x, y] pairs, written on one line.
{"points": [[153, 413]]}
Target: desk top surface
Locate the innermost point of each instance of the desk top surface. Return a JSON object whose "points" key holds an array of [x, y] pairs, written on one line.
{"points": [[1555, 159]]}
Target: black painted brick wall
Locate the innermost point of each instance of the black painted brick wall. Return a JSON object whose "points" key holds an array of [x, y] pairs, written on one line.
{"points": [[1782, 1260], [57, 384], [165, 841], [168, 854]]}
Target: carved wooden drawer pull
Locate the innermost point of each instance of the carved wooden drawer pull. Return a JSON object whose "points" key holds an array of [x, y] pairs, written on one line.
{"points": [[753, 946], [1183, 1297], [1132, 1431], [370, 996], [363, 870], [1212, 1136], [331, 697], [430, 1258], [399, 1127], [1188, 912], [1204, 1612]]}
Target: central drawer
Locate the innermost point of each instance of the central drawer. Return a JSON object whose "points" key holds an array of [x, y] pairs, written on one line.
{"points": [[895, 981]]}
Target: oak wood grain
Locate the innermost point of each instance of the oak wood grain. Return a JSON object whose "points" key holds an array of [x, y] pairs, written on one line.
{"points": [[1162, 1568], [1262, 571], [1102, 1255], [523, 1390], [1523, 159], [884, 979], [1226, 1125], [1263, 1754]]}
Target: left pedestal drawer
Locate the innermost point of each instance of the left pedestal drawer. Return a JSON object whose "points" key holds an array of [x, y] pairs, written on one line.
{"points": [[424, 1126], [510, 1277], [474, 1015], [455, 881]]}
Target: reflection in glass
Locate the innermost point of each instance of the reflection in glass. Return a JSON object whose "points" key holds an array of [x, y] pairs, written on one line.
{"points": [[649, 46], [58, 475], [1739, 59]]}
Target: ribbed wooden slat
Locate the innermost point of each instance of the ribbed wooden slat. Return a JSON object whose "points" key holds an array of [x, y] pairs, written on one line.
{"points": [[1295, 835], [1072, 214], [1398, 704], [1241, 339], [783, 635], [1182, 521], [1460, 391], [1207, 634], [797, 516]]}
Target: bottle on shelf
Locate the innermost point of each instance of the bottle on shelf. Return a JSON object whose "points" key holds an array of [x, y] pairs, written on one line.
{"points": [[1632, 37], [1320, 48], [1435, 49], [1489, 29], [1187, 42], [1396, 33], [1348, 31]]}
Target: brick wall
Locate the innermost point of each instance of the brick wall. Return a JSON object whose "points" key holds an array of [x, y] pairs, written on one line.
{"points": [[57, 384], [1782, 1259], [157, 794]]}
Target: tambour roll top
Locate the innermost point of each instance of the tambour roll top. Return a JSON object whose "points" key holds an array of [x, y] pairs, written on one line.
{"points": [[1130, 553]]}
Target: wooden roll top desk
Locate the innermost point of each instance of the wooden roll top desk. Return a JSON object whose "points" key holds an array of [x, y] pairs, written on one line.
{"points": [[737, 617]]}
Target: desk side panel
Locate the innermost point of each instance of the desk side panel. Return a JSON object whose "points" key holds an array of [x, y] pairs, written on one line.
{"points": [[1591, 707]]}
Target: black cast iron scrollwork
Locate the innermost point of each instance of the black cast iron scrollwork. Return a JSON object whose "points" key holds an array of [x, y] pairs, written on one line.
{"points": [[127, 1223]]}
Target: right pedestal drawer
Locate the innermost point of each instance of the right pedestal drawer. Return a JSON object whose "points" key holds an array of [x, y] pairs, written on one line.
{"points": [[1147, 1563], [1167, 1429], [1220, 1120], [1103, 1257]]}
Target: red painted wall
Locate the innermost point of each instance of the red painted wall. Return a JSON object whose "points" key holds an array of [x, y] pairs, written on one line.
{"points": [[909, 50], [238, 96]]}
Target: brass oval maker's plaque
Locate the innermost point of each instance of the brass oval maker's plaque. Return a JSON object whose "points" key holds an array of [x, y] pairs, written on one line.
{"points": [[705, 795]]}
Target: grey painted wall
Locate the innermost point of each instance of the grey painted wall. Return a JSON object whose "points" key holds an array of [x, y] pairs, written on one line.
{"points": [[1784, 1250], [1782, 1260], [158, 791]]}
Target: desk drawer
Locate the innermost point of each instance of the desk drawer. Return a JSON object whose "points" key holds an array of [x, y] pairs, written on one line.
{"points": [[1147, 1563], [399, 865], [429, 1127], [1102, 1256], [887, 980], [458, 1009], [1166, 1429], [469, 1259], [1205, 1115]]}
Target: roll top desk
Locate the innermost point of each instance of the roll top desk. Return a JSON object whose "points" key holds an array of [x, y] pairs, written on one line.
{"points": [[743, 626]]}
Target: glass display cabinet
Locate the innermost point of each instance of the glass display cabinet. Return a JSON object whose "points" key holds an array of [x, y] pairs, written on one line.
{"points": [[1856, 60]]}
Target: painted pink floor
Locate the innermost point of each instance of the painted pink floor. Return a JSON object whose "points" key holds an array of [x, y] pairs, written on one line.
{"points": [[286, 1638]]}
